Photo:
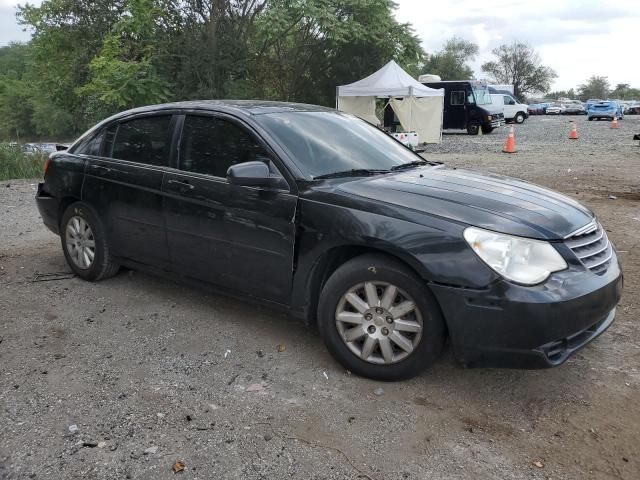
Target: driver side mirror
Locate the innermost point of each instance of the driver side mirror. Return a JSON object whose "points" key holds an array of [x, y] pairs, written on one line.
{"points": [[252, 174]]}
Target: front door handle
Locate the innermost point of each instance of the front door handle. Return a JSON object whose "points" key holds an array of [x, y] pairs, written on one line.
{"points": [[101, 167], [181, 185]]}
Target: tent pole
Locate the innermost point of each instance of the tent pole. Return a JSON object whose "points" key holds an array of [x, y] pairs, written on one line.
{"points": [[411, 108]]}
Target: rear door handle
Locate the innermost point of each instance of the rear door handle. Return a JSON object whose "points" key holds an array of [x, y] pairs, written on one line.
{"points": [[181, 185]]}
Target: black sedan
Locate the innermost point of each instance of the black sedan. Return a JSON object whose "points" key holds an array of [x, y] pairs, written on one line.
{"points": [[319, 213]]}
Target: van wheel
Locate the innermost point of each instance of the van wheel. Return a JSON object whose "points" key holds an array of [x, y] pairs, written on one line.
{"points": [[378, 320], [84, 243], [519, 118], [473, 127]]}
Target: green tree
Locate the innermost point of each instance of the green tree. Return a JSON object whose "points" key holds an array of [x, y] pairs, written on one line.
{"points": [[67, 34], [451, 63], [570, 94], [594, 87], [123, 74], [93, 57], [518, 64], [623, 91], [307, 48], [16, 111]]}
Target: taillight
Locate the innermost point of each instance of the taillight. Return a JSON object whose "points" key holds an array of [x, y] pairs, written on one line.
{"points": [[46, 164]]}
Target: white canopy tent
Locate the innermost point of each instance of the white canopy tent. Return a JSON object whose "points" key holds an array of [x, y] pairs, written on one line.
{"points": [[418, 108]]}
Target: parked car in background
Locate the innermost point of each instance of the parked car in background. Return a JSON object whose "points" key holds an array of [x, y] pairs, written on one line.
{"points": [[48, 147], [574, 109], [535, 109], [633, 108], [555, 109], [607, 110], [329, 218], [591, 101], [32, 149]]}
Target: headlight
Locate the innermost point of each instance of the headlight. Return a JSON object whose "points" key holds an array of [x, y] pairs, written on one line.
{"points": [[518, 259], [489, 117]]}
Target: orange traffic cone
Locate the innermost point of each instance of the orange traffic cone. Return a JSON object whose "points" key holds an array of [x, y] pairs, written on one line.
{"points": [[510, 144], [614, 122], [573, 135]]}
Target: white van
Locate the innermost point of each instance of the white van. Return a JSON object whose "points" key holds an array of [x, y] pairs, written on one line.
{"points": [[513, 111]]}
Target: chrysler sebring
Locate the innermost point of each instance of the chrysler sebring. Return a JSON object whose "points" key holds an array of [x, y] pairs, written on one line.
{"points": [[319, 213]]}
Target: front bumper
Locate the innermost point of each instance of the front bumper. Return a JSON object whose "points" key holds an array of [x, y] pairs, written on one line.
{"points": [[48, 207], [497, 122], [514, 326]]}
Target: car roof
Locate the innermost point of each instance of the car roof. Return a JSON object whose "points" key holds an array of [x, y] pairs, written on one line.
{"points": [[243, 107]]}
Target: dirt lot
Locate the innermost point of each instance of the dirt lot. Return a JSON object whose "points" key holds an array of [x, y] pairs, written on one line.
{"points": [[150, 372]]}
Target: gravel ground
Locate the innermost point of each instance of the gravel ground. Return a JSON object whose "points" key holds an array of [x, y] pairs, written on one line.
{"points": [[124, 378]]}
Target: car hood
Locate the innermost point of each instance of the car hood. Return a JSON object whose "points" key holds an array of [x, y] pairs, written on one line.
{"points": [[488, 201], [493, 109]]}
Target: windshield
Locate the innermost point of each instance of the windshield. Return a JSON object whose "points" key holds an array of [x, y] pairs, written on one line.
{"points": [[322, 143], [482, 96]]}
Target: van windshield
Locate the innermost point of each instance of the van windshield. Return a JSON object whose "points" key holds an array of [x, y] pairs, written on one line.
{"points": [[482, 96]]}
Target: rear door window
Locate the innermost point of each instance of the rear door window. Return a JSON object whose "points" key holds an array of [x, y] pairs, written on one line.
{"points": [[144, 140], [210, 145]]}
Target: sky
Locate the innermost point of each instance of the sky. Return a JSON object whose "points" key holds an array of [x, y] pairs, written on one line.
{"points": [[577, 38]]}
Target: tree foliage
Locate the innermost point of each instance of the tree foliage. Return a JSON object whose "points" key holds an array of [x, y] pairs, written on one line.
{"points": [[90, 58], [570, 94], [451, 62], [518, 64], [16, 111], [594, 87], [122, 75], [623, 91]]}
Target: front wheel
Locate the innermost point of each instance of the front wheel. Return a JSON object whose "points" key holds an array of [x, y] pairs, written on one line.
{"points": [[379, 320], [487, 129], [473, 127], [519, 118], [84, 243]]}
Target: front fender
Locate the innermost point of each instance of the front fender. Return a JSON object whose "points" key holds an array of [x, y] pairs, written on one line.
{"points": [[433, 247]]}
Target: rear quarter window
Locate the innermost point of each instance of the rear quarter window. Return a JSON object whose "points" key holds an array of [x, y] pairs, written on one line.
{"points": [[92, 145]]}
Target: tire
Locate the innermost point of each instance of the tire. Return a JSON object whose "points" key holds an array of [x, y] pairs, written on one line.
{"points": [[425, 343], [78, 242], [487, 130], [473, 127], [519, 118], [590, 119]]}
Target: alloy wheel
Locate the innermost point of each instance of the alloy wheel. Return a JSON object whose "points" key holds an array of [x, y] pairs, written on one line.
{"points": [[378, 322], [81, 244]]}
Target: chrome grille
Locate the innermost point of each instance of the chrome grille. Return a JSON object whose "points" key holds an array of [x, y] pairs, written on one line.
{"points": [[592, 247]]}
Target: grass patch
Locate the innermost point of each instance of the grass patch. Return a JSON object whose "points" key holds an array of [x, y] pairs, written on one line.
{"points": [[14, 163]]}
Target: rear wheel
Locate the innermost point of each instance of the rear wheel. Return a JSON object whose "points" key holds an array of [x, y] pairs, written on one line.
{"points": [[378, 320], [84, 243]]}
